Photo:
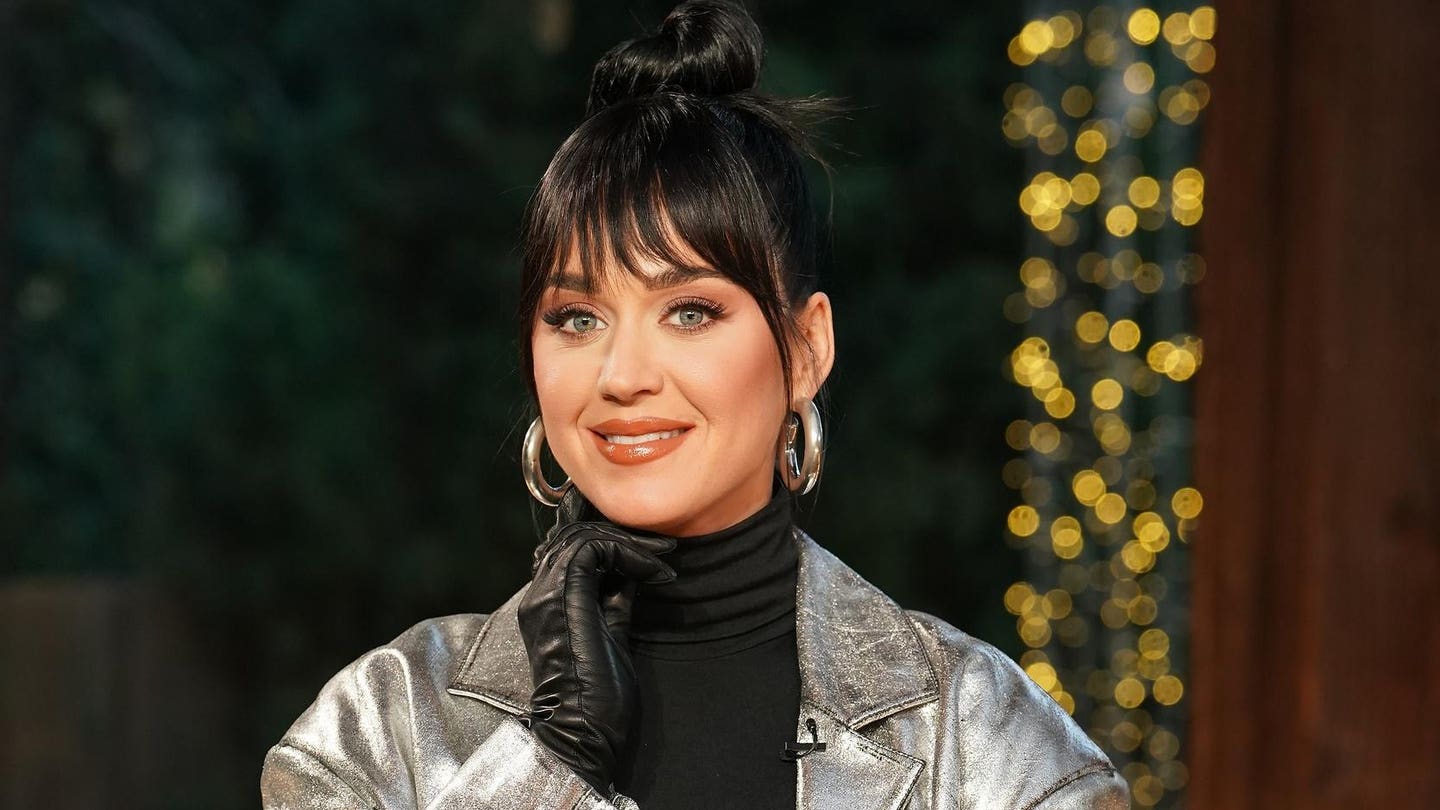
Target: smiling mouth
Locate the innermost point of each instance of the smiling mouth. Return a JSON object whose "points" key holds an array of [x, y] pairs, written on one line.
{"points": [[637, 448], [642, 438]]}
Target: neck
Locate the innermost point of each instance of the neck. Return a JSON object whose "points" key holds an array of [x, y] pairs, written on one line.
{"points": [[735, 588]]}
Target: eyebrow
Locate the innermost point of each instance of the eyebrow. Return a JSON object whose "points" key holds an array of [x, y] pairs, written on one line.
{"points": [[670, 276]]}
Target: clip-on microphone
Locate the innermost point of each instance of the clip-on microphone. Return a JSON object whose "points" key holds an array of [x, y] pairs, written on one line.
{"points": [[798, 750]]}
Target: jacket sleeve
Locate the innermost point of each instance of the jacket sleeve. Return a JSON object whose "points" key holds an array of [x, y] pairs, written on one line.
{"points": [[1089, 789], [294, 778]]}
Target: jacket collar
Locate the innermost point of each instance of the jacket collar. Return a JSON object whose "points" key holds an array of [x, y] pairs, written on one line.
{"points": [[860, 659]]}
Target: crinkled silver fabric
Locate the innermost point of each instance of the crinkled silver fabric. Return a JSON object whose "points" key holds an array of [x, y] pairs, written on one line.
{"points": [[913, 713]]}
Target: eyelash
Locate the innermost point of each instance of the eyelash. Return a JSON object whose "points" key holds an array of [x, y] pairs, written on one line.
{"points": [[713, 312], [558, 317]]}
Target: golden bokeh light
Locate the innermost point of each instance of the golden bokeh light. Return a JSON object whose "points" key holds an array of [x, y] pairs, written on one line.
{"points": [[1121, 220], [1066, 539], [1057, 604], [1110, 508], [1199, 56], [1045, 438], [1139, 118], [1088, 486], [1037, 37], [1154, 644], [1144, 192], [1023, 520], [1149, 278], [1139, 78], [1043, 674], [1163, 744], [1129, 693], [1168, 690], [1033, 630], [1059, 402], [1176, 29], [1147, 790], [1125, 335], [1107, 394], [1142, 611], [1062, 30], [1084, 188], [1017, 434], [1136, 557], [1099, 513], [1143, 26], [1077, 101], [1187, 502], [1202, 23], [1090, 145], [1019, 597], [1092, 327], [1140, 495], [1017, 53]]}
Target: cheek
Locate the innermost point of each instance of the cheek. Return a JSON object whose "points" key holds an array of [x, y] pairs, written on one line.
{"points": [[738, 385], [563, 384]]}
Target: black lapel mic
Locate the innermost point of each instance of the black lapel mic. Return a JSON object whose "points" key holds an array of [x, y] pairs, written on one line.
{"points": [[800, 750]]}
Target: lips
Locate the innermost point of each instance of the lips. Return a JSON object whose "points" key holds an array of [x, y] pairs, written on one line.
{"points": [[636, 441]]}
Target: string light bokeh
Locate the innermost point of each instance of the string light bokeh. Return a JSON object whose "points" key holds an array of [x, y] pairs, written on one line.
{"points": [[1107, 110]]}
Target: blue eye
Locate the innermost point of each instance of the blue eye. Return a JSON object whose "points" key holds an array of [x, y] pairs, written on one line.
{"points": [[695, 314], [573, 321], [691, 316]]}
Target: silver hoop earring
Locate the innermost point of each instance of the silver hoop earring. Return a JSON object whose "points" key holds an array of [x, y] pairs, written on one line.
{"points": [[530, 468], [800, 476]]}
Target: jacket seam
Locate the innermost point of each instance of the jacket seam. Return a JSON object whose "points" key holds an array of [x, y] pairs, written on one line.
{"points": [[455, 680], [313, 757], [1066, 781]]}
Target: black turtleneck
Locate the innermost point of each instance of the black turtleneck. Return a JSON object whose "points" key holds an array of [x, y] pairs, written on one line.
{"points": [[714, 653]]}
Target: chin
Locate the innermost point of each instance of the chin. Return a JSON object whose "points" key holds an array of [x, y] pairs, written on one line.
{"points": [[641, 505]]}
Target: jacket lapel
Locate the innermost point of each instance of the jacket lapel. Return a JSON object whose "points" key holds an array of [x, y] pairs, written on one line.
{"points": [[860, 662], [497, 670]]}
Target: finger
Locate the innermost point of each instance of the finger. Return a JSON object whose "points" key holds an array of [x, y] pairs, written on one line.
{"points": [[634, 563], [652, 543], [615, 604], [562, 536]]}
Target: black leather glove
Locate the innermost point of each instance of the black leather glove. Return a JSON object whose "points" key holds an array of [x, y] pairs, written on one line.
{"points": [[573, 620]]}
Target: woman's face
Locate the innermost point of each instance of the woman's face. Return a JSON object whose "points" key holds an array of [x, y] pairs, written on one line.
{"points": [[663, 398]]}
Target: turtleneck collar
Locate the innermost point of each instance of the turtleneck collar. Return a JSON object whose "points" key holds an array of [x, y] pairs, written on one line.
{"points": [[735, 589]]}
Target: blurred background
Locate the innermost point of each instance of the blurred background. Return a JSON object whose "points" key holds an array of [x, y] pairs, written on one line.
{"points": [[260, 408]]}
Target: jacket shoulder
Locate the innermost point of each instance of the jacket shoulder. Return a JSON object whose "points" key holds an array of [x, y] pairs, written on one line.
{"points": [[1001, 717], [426, 653]]}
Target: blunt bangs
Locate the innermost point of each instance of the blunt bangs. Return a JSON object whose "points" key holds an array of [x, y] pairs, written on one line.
{"points": [[657, 179]]}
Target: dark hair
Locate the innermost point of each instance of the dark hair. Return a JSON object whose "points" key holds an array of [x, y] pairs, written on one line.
{"points": [[678, 148]]}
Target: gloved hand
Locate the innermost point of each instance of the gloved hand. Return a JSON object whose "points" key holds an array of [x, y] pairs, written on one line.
{"points": [[573, 619]]}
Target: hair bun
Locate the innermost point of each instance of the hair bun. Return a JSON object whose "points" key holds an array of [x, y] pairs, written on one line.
{"points": [[703, 47]]}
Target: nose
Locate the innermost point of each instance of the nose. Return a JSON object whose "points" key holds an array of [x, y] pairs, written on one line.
{"points": [[631, 369]]}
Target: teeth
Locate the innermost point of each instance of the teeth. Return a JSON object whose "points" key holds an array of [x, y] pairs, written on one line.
{"points": [[644, 437]]}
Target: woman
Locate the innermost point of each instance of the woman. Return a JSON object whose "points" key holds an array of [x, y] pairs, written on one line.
{"points": [[681, 643]]}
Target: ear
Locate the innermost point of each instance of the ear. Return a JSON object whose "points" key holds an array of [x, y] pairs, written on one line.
{"points": [[817, 350]]}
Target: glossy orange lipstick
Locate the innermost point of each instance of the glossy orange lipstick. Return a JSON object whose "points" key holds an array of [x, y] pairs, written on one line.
{"points": [[636, 441]]}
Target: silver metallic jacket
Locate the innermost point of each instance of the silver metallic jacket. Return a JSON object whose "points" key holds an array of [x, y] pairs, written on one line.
{"points": [[913, 713]]}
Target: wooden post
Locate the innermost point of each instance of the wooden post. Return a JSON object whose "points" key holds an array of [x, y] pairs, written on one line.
{"points": [[1316, 605]]}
